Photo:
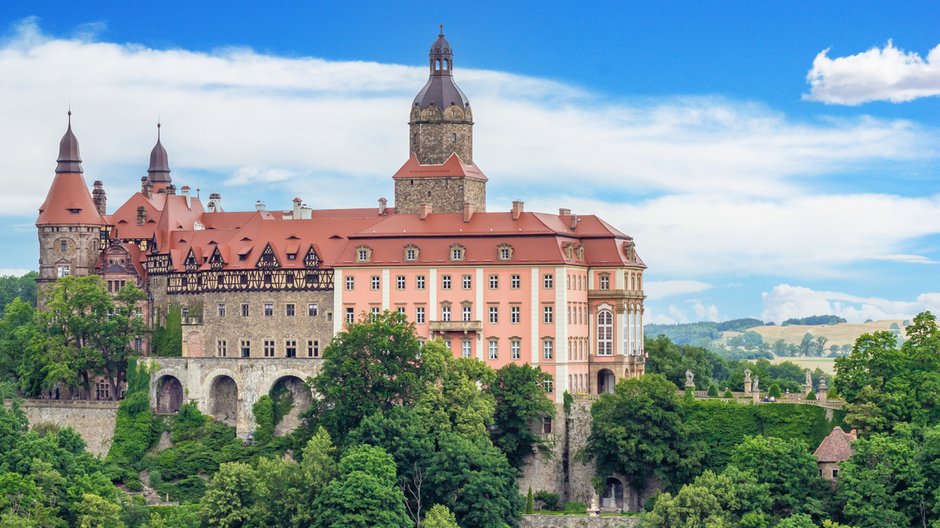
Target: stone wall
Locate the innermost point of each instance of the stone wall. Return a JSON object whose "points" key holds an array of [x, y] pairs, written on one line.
{"points": [[93, 420], [445, 194], [578, 521], [435, 135]]}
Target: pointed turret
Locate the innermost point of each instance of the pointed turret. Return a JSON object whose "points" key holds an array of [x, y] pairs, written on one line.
{"points": [[159, 170], [68, 201], [69, 159]]}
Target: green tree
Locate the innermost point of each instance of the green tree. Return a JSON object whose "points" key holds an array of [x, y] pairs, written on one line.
{"points": [[774, 391], [673, 360], [439, 517], [17, 333], [371, 366], [364, 495], [520, 402], [799, 520], [638, 431], [230, 500], [450, 398], [22, 287], [282, 494], [787, 468], [97, 512], [733, 498], [713, 391]]}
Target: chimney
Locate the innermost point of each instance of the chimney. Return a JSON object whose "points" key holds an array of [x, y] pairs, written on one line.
{"points": [[517, 209], [467, 212], [564, 212], [99, 197], [383, 203], [259, 206], [171, 189], [215, 203], [574, 222], [297, 208], [146, 188], [424, 210], [141, 215], [184, 190]]}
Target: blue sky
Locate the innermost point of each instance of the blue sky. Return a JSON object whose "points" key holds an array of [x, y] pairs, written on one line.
{"points": [[771, 160]]}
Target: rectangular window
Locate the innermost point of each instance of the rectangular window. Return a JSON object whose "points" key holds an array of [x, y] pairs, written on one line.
{"points": [[350, 315], [467, 282], [289, 309], [548, 314], [63, 245], [268, 309], [411, 254], [548, 384], [64, 270], [376, 282], [245, 311], [401, 310], [548, 281], [103, 391], [445, 313], [268, 348], [245, 346], [494, 282], [547, 424], [221, 309], [494, 349], [605, 282], [466, 348], [514, 314], [221, 348], [419, 282], [465, 312], [375, 313], [313, 348], [515, 282], [350, 283], [548, 349], [290, 348], [313, 310], [400, 282], [494, 314], [505, 253], [419, 315], [515, 349], [445, 282]]}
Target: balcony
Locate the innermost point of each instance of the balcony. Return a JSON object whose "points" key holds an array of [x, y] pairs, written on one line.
{"points": [[615, 294], [455, 326], [191, 320]]}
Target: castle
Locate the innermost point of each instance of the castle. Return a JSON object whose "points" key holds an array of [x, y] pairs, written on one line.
{"points": [[263, 291]]}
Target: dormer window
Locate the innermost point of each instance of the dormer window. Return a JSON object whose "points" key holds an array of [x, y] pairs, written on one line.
{"points": [[75, 211], [629, 250], [504, 252], [411, 253], [292, 256], [457, 252], [363, 254]]}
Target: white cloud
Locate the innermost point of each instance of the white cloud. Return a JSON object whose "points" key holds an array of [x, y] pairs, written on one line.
{"points": [[238, 117], [656, 290], [702, 235], [691, 311], [879, 74], [785, 301], [16, 272]]}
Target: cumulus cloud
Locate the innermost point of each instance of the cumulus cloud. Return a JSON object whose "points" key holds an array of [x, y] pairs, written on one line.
{"points": [[237, 117], [879, 74], [786, 301], [691, 311], [656, 290], [16, 272]]}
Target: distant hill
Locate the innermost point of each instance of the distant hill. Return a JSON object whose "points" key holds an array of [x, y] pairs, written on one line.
{"points": [[700, 334], [815, 320]]}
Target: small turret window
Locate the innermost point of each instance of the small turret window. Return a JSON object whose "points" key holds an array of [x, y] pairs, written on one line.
{"points": [[75, 211]]}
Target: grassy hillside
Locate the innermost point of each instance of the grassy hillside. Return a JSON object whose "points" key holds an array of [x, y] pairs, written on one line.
{"points": [[839, 334]]}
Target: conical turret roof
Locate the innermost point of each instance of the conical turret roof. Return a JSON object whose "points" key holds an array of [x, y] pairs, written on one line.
{"points": [[69, 202], [69, 159], [159, 170]]}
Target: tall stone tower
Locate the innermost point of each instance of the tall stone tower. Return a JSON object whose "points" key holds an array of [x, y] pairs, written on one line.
{"points": [[69, 221], [440, 171]]}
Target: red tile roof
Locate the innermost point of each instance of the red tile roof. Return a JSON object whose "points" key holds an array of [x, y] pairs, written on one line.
{"points": [[837, 447], [69, 202], [454, 167]]}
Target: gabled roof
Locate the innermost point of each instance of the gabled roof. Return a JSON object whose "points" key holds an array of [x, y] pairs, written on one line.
{"points": [[453, 167], [836, 447]]}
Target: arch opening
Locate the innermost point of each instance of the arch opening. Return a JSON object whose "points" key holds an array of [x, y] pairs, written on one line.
{"points": [[223, 400], [605, 381], [613, 495], [169, 395], [292, 398]]}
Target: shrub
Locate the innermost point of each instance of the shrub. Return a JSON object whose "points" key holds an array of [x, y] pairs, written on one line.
{"points": [[550, 501], [728, 393], [713, 391], [811, 395], [575, 507], [529, 502], [774, 391]]}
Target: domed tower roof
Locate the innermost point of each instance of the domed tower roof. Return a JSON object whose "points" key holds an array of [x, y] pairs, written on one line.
{"points": [[159, 170], [441, 90], [69, 159]]}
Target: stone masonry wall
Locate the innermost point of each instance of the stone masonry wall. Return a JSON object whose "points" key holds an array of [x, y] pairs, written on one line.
{"points": [[93, 420], [434, 142], [577, 521], [446, 195]]}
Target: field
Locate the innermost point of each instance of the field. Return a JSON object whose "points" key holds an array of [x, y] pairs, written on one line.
{"points": [[840, 334], [827, 365]]}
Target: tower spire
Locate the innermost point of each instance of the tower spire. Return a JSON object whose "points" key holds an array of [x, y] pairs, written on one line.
{"points": [[159, 170], [69, 159]]}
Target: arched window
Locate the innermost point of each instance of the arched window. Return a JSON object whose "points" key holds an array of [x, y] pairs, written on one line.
{"points": [[605, 333]]}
